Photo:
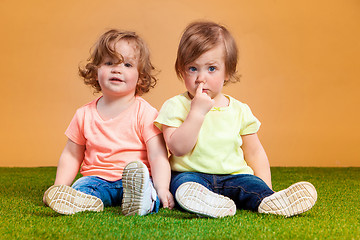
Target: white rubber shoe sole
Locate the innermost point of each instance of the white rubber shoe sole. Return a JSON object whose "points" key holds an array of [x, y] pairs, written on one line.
{"points": [[66, 200], [298, 198], [139, 194], [196, 198]]}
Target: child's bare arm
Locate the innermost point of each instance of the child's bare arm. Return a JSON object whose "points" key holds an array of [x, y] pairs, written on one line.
{"points": [[256, 158], [182, 140], [160, 169], [69, 164]]}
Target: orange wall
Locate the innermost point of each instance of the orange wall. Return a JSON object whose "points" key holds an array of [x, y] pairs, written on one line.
{"points": [[299, 62]]}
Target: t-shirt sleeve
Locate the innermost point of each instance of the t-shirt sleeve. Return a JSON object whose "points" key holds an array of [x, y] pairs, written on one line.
{"points": [[250, 124], [171, 114], [75, 130], [148, 128]]}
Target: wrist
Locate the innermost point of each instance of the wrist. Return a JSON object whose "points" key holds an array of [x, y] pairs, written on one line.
{"points": [[162, 190], [197, 114]]}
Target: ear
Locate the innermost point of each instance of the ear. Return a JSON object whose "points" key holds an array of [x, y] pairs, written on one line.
{"points": [[227, 77]]}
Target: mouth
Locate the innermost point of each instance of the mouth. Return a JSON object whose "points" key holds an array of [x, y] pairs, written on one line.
{"points": [[115, 79], [205, 90]]}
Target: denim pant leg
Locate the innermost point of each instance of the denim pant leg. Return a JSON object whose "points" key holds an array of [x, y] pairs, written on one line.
{"points": [[178, 178], [157, 202], [110, 193], [246, 190]]}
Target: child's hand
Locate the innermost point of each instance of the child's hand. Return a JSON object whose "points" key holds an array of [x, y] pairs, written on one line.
{"points": [[201, 102], [166, 198]]}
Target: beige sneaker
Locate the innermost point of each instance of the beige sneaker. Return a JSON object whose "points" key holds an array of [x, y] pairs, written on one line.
{"points": [[66, 200], [298, 198], [196, 198], [139, 193]]}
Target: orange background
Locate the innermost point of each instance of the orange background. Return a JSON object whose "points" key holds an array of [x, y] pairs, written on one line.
{"points": [[299, 62]]}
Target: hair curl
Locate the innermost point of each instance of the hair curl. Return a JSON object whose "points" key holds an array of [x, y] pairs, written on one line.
{"points": [[104, 47]]}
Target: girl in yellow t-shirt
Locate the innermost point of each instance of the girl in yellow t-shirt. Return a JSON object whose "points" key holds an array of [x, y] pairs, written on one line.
{"points": [[217, 159]]}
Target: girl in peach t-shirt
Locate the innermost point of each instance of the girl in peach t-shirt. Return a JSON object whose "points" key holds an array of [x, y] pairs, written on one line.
{"points": [[113, 140]]}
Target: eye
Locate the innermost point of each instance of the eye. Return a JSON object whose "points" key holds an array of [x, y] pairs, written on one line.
{"points": [[212, 69], [128, 65], [192, 69], [108, 63]]}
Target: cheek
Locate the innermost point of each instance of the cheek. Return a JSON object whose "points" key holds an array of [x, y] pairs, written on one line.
{"points": [[100, 74], [135, 77], [219, 81], [189, 83]]}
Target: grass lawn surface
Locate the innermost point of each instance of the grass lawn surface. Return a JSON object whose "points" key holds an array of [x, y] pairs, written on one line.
{"points": [[336, 215]]}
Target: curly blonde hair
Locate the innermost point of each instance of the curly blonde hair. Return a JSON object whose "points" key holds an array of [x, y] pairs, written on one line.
{"points": [[200, 37], [104, 47]]}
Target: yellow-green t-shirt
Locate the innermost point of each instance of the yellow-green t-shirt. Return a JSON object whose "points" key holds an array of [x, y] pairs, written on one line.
{"points": [[218, 147]]}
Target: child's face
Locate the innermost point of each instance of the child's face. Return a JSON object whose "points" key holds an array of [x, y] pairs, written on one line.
{"points": [[209, 68], [120, 79]]}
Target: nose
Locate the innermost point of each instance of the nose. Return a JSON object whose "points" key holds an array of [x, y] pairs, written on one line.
{"points": [[200, 78], [116, 68]]}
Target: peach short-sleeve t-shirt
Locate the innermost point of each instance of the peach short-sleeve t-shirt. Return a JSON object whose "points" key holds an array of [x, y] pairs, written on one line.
{"points": [[110, 145]]}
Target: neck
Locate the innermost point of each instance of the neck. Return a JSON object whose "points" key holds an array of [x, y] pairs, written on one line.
{"points": [[221, 101], [109, 107], [124, 100]]}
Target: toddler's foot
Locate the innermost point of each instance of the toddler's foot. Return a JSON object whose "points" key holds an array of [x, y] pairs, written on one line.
{"points": [[66, 200], [298, 198], [196, 198], [139, 194]]}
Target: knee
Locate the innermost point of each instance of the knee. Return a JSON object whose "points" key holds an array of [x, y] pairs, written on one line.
{"points": [[184, 177], [88, 185]]}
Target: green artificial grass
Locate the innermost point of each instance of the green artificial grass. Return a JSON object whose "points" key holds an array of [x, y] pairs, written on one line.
{"points": [[336, 214]]}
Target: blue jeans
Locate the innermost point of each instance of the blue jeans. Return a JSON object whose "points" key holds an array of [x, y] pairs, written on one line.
{"points": [[246, 190], [110, 193]]}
